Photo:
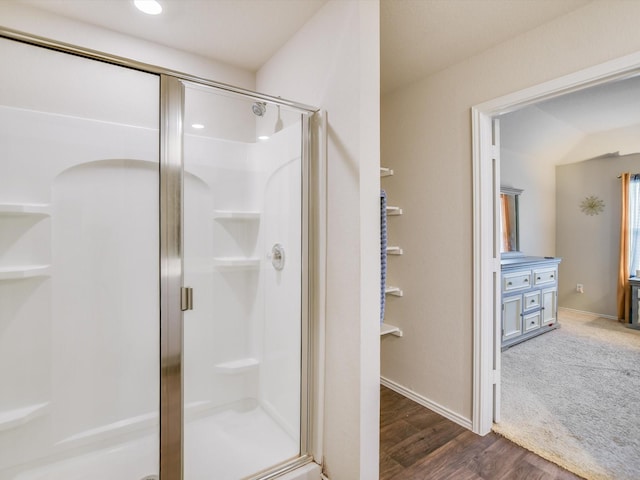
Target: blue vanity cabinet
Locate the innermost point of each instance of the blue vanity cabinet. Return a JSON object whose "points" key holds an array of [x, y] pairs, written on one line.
{"points": [[529, 297]]}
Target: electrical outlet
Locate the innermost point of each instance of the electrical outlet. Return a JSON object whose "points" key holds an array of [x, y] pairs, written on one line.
{"points": [[580, 288]]}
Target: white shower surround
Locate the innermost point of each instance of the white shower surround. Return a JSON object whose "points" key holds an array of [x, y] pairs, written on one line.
{"points": [[60, 369], [213, 453], [82, 412], [257, 310]]}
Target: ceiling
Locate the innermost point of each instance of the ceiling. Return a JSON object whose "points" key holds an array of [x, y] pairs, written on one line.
{"points": [[418, 37], [603, 120], [242, 33], [421, 37]]}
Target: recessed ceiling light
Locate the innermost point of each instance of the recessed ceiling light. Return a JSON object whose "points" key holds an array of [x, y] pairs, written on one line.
{"points": [[197, 126], [150, 7], [263, 137]]}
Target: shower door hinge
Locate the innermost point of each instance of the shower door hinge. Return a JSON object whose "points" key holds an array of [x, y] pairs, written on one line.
{"points": [[186, 298]]}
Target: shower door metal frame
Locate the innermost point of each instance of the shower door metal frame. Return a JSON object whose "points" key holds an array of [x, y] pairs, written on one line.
{"points": [[171, 104], [172, 91], [171, 278]]}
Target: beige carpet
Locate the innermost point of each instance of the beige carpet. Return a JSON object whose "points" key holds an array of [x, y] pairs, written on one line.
{"points": [[573, 397]]}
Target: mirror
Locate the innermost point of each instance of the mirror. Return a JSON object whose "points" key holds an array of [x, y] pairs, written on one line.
{"points": [[509, 221]]}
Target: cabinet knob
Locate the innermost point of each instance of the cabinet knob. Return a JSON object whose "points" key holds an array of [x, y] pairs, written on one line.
{"points": [[533, 300], [539, 278], [526, 280], [509, 283], [551, 276]]}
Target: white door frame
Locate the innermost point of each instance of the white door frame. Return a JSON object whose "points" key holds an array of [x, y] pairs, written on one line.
{"points": [[486, 254]]}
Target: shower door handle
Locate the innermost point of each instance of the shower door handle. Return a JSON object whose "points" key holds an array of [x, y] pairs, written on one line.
{"points": [[186, 298]]}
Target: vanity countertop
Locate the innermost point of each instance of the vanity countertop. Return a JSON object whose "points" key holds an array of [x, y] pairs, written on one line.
{"points": [[525, 260]]}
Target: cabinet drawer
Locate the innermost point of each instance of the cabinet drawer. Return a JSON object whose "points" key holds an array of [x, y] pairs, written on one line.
{"points": [[531, 300], [531, 322], [516, 281], [545, 276]]}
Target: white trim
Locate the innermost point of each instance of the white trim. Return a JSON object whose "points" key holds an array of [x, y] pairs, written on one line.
{"points": [[617, 69], [591, 314], [310, 471], [485, 265], [425, 402], [483, 297]]}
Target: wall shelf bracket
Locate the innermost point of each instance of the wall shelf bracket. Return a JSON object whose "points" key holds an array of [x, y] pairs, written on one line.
{"points": [[386, 329], [396, 291]]}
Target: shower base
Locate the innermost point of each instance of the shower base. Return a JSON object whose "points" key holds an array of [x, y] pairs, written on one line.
{"points": [[227, 445]]}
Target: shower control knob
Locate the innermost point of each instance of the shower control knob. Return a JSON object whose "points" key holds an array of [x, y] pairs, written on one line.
{"points": [[277, 256]]}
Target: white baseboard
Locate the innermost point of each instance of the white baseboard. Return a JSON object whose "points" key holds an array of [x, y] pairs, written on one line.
{"points": [[591, 314], [425, 402]]}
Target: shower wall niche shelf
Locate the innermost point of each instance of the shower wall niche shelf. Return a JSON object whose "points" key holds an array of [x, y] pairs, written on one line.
{"points": [[236, 215], [15, 209], [24, 271], [237, 366], [14, 418], [394, 210], [128, 425], [395, 291], [386, 329], [236, 262]]}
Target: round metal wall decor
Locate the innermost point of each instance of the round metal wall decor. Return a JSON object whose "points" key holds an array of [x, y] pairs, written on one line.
{"points": [[592, 205]]}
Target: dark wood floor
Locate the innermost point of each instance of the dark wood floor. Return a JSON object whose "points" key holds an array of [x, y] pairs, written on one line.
{"points": [[416, 443]]}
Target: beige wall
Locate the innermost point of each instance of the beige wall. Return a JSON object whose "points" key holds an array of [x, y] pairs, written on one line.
{"points": [[426, 138], [589, 245], [333, 62], [531, 143], [537, 203]]}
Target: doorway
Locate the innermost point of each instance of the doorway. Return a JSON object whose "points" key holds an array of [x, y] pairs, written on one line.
{"points": [[486, 174]]}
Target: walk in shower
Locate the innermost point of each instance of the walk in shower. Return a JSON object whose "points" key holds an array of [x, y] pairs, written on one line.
{"points": [[154, 274]]}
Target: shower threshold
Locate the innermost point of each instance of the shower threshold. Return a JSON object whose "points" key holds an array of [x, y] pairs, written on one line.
{"points": [[226, 445]]}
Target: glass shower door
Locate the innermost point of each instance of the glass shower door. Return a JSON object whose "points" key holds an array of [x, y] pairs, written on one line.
{"points": [[244, 258], [108, 209], [79, 296]]}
